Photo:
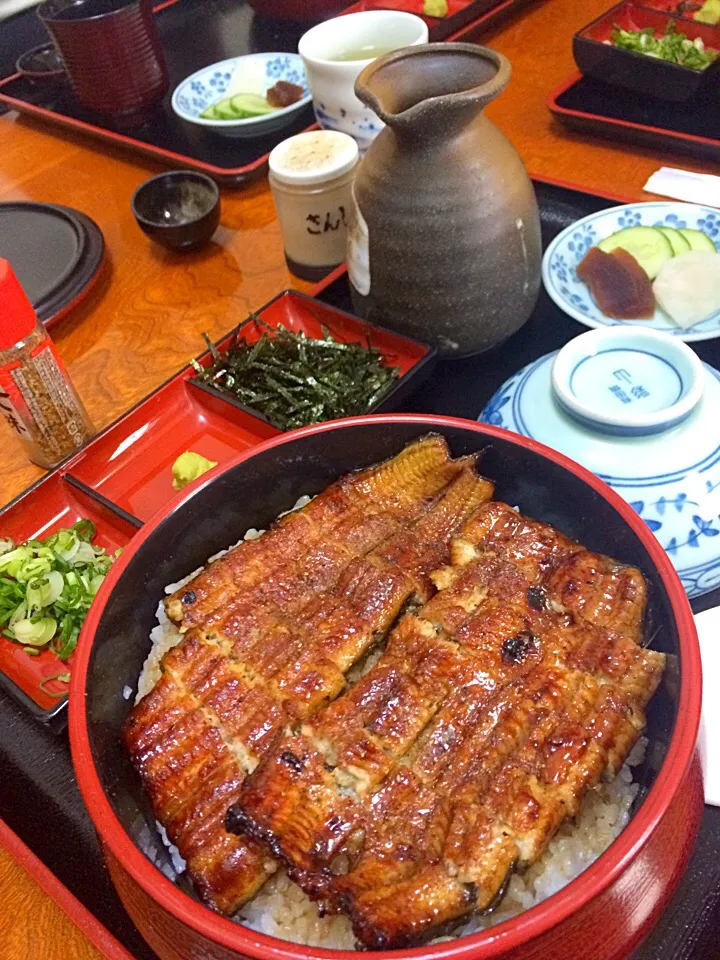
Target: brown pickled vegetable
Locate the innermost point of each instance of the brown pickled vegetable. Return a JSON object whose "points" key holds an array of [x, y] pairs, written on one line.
{"points": [[619, 285], [284, 93]]}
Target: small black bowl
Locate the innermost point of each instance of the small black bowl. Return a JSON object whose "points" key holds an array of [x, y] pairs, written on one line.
{"points": [[180, 210], [42, 64]]}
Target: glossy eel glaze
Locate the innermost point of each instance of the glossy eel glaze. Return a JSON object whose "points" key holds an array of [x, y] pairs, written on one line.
{"points": [[407, 801], [271, 630]]}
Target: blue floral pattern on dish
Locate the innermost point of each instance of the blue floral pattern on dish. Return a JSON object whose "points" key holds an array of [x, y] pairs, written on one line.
{"points": [[710, 224], [629, 218], [285, 68], [208, 86], [570, 246], [205, 91], [493, 412], [681, 507]]}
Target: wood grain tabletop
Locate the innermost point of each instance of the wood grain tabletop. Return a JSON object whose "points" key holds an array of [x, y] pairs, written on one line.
{"points": [[31, 924], [144, 318]]}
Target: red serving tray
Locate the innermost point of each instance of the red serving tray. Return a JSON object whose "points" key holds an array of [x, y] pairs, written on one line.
{"points": [[467, 21], [40, 511], [644, 76], [303, 314], [124, 476], [233, 175], [581, 104], [668, 6], [131, 465]]}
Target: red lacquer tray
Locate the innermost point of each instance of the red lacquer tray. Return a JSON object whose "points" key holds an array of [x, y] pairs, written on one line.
{"points": [[465, 19], [589, 106], [193, 34], [668, 6], [192, 39], [124, 475]]}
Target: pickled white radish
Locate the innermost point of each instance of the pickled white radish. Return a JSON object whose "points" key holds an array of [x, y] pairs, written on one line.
{"points": [[688, 287]]}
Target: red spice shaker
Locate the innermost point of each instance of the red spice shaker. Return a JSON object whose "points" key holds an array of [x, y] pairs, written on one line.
{"points": [[36, 395]]}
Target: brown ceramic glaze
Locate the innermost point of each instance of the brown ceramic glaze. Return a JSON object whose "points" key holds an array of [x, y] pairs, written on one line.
{"points": [[111, 52], [445, 239]]}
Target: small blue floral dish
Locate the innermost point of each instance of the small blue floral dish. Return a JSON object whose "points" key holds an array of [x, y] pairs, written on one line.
{"points": [[567, 250], [639, 409], [254, 73]]}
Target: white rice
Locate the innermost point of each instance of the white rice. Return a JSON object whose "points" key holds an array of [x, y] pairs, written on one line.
{"points": [[282, 910]]}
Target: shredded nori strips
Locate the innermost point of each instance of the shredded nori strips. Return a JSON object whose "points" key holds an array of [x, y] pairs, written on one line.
{"points": [[295, 380]]}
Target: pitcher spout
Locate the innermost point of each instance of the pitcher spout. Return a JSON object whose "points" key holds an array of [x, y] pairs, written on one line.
{"points": [[439, 84]]}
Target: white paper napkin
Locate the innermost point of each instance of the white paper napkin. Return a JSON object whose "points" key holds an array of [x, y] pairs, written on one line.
{"points": [[703, 188], [708, 627]]}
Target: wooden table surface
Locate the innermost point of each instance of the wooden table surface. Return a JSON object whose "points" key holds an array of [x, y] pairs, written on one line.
{"points": [[144, 319]]}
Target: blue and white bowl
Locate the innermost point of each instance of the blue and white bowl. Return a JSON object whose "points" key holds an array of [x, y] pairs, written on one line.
{"points": [[254, 73], [569, 247], [640, 410]]}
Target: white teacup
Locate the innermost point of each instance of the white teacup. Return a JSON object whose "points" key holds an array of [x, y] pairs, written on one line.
{"points": [[332, 78]]}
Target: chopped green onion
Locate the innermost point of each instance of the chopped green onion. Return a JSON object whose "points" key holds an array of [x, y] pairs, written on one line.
{"points": [[672, 46], [62, 677], [35, 631], [46, 588], [44, 591]]}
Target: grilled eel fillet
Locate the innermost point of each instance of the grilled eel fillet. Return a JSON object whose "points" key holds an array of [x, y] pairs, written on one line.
{"points": [[286, 616], [407, 801], [306, 547]]}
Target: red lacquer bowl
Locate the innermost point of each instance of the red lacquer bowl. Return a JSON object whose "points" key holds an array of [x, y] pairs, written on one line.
{"points": [[603, 914], [112, 54]]}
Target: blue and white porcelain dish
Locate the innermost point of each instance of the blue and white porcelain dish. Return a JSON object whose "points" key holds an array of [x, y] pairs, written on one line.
{"points": [[640, 410], [570, 246], [254, 73]]}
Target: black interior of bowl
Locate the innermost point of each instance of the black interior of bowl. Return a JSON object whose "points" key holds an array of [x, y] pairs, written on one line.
{"points": [[175, 199], [254, 493]]}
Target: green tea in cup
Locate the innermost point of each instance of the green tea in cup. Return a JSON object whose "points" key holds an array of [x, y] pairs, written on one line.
{"points": [[368, 52], [335, 51]]}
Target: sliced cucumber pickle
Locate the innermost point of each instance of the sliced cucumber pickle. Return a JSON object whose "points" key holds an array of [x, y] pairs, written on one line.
{"points": [[677, 240], [649, 246], [697, 239], [209, 113], [250, 105], [224, 110], [242, 106]]}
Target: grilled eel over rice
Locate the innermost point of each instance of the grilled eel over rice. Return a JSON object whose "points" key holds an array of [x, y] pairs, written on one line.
{"points": [[270, 631], [408, 800]]}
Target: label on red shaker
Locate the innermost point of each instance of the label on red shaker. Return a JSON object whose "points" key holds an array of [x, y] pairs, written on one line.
{"points": [[11, 403], [37, 395]]}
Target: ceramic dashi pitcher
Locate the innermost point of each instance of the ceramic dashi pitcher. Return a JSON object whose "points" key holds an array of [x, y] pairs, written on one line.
{"points": [[444, 241]]}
